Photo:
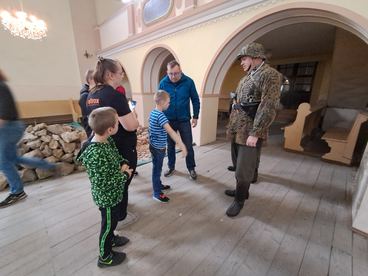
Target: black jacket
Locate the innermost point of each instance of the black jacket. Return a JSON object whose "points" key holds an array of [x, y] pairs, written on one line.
{"points": [[83, 99], [82, 103], [8, 108]]}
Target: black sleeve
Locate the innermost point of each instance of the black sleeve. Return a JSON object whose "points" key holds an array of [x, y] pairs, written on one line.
{"points": [[120, 103], [82, 104], [8, 109]]}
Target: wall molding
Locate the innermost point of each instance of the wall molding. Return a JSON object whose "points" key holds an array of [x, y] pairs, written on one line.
{"points": [[193, 19]]}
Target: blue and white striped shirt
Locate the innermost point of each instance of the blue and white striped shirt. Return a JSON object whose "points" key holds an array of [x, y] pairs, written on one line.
{"points": [[157, 133]]}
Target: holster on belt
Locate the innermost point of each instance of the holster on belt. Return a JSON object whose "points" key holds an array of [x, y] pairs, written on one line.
{"points": [[249, 108]]}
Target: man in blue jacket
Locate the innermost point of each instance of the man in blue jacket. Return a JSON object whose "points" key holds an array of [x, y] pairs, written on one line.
{"points": [[182, 90]]}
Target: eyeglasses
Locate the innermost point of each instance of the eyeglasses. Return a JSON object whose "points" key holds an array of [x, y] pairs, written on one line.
{"points": [[174, 74]]}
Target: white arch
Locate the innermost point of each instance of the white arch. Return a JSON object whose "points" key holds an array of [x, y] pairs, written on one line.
{"points": [[274, 19], [151, 67]]}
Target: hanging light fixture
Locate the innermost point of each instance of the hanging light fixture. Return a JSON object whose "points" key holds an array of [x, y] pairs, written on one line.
{"points": [[23, 25]]}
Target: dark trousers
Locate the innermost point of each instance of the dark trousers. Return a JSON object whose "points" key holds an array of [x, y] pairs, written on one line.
{"points": [[109, 220], [247, 161], [234, 153], [185, 130], [85, 125], [158, 156], [129, 152]]}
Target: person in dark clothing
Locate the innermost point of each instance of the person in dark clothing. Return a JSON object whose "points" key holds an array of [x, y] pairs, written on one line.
{"points": [[11, 131], [107, 76], [182, 90], [83, 99]]}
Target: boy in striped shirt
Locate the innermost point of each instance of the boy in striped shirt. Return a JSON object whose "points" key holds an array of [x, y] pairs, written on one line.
{"points": [[159, 127]]}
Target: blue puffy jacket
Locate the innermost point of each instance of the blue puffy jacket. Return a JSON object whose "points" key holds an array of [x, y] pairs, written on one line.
{"points": [[180, 94]]}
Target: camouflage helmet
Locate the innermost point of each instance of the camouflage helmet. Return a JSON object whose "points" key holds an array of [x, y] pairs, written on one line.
{"points": [[253, 50]]}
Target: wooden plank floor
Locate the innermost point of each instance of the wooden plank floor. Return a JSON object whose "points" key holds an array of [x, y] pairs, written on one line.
{"points": [[296, 222]]}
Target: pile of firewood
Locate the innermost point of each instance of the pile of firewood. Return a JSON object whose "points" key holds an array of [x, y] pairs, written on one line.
{"points": [[58, 144]]}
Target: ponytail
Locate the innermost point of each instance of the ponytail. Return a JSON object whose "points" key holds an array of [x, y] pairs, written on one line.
{"points": [[103, 66]]}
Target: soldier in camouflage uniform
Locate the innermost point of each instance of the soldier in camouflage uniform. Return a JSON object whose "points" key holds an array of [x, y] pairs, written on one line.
{"points": [[257, 97]]}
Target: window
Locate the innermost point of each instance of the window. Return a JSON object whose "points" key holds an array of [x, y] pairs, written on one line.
{"points": [[154, 10], [298, 83]]}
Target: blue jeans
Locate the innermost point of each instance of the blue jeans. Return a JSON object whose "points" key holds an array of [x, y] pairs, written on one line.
{"points": [[158, 156], [10, 134], [185, 130]]}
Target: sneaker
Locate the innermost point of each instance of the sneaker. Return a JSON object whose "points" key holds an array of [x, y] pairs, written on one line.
{"points": [[169, 172], [231, 168], [193, 174], [165, 187], [162, 198], [114, 259], [118, 241], [12, 198]]}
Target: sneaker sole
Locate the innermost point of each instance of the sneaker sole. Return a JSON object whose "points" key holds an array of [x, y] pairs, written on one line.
{"points": [[22, 197], [15, 201], [103, 265], [160, 200], [170, 174]]}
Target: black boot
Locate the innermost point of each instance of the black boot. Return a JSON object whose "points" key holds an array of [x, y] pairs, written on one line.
{"points": [[234, 208], [231, 168], [241, 194], [230, 193]]}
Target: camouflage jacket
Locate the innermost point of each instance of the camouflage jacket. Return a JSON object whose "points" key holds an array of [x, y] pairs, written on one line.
{"points": [[261, 85]]}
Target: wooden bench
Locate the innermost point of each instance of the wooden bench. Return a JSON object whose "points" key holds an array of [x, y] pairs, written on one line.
{"points": [[342, 141], [76, 110], [48, 111], [223, 107], [307, 119]]}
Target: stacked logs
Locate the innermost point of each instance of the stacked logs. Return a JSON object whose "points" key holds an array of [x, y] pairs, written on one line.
{"points": [[58, 144], [143, 144]]}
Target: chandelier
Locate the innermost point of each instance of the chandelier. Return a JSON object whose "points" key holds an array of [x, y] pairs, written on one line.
{"points": [[23, 25]]}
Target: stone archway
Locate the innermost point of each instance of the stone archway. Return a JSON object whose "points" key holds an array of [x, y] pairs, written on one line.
{"points": [[262, 24], [154, 67]]}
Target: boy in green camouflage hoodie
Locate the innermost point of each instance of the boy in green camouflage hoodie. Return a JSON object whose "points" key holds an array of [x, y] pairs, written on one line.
{"points": [[108, 172]]}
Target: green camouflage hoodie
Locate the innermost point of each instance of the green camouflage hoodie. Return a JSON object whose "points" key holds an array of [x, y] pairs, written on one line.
{"points": [[103, 164]]}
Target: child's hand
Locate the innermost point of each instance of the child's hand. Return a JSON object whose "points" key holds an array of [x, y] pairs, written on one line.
{"points": [[124, 167], [184, 151]]}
